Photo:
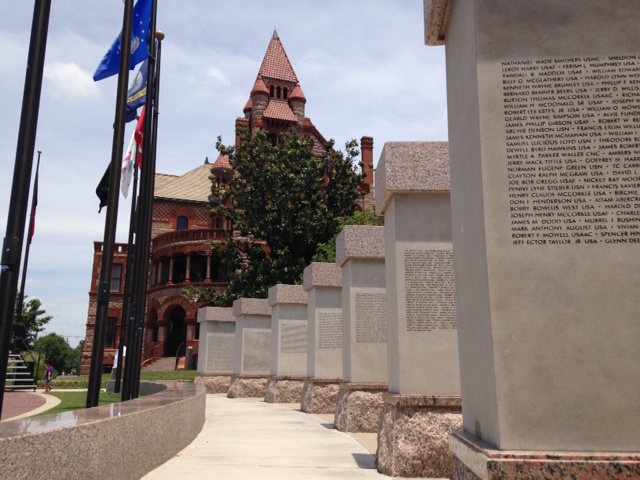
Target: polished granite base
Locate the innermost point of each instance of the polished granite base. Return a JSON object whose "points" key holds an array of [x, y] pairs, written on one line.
{"points": [[122, 440], [476, 460]]}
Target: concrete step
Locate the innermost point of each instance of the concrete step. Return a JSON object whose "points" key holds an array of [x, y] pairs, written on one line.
{"points": [[161, 365]]}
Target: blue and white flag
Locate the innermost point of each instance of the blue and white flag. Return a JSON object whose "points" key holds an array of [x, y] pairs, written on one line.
{"points": [[110, 64], [137, 94]]}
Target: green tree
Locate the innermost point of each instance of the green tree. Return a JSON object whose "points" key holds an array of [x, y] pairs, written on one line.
{"points": [[29, 325], [327, 251], [56, 350], [284, 201]]}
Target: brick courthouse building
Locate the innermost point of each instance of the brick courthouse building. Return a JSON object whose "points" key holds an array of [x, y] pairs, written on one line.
{"points": [[183, 231]]}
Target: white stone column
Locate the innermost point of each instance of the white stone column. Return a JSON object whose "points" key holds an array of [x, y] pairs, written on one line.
{"points": [[252, 360], [289, 344], [216, 348], [542, 107], [360, 253], [323, 283]]}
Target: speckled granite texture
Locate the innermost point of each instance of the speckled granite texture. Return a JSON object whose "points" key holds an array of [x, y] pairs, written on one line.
{"points": [[216, 314], [279, 294], [359, 407], [475, 460], [251, 306], [436, 17], [284, 390], [123, 440], [320, 395], [407, 167], [247, 387], [214, 383], [413, 436], [359, 241], [318, 274]]}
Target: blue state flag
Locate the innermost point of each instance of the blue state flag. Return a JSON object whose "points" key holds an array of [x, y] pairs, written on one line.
{"points": [[137, 94], [110, 64]]}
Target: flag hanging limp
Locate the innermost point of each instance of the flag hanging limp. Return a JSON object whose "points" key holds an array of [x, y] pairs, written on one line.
{"points": [[34, 204], [110, 64], [102, 190], [132, 156], [137, 94]]}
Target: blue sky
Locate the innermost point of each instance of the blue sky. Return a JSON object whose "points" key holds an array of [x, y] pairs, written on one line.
{"points": [[362, 65]]}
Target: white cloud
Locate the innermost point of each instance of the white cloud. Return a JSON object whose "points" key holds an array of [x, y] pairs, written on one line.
{"points": [[216, 74], [69, 80]]}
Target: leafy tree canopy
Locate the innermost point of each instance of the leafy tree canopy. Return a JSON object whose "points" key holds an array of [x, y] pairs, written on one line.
{"points": [[31, 323], [284, 201], [57, 351]]}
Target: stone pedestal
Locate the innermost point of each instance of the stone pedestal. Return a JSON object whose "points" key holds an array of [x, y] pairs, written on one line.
{"points": [[320, 395], [360, 254], [214, 383], [284, 389], [412, 182], [252, 361], [413, 440], [247, 386], [323, 284], [216, 350], [359, 407], [542, 109], [289, 343]]}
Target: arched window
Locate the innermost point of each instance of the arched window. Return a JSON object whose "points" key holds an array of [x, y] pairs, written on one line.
{"points": [[271, 91], [183, 223], [279, 92], [285, 93]]}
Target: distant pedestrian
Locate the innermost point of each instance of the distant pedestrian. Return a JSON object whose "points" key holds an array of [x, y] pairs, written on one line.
{"points": [[48, 377]]}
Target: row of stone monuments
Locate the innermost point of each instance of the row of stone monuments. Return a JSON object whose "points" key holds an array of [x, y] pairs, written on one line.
{"points": [[371, 339]]}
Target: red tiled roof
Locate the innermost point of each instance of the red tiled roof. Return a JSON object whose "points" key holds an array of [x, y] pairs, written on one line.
{"points": [[222, 162], [279, 110], [276, 63], [297, 94], [259, 87], [248, 106]]}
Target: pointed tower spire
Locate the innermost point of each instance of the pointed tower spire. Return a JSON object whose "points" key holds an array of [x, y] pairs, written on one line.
{"points": [[276, 64]]}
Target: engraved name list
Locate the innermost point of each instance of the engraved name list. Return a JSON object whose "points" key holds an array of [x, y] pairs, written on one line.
{"points": [[572, 149]]}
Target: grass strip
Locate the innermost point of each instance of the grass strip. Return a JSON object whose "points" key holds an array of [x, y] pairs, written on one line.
{"points": [[70, 401]]}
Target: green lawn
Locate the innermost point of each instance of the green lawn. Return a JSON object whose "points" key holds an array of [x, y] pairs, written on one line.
{"points": [[77, 400], [83, 382]]}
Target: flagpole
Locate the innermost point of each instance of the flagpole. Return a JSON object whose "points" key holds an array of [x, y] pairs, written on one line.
{"points": [[128, 282], [130, 386], [12, 243], [32, 220], [148, 219], [108, 246]]}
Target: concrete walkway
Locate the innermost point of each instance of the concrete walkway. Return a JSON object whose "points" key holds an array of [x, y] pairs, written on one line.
{"points": [[250, 439]]}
